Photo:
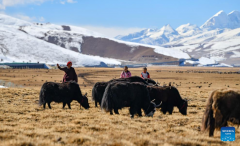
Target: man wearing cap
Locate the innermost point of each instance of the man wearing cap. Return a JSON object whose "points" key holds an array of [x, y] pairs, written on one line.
{"points": [[70, 74]]}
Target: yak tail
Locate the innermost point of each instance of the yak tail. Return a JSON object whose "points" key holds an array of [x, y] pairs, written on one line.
{"points": [[106, 104], [208, 121], [41, 97]]}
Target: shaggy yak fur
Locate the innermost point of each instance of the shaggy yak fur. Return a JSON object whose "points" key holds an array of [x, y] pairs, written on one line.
{"points": [[126, 94], [62, 92], [168, 97], [99, 87], [223, 105]]}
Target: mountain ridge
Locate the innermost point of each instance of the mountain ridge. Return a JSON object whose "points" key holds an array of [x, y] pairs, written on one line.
{"points": [[219, 21], [221, 30], [23, 41]]}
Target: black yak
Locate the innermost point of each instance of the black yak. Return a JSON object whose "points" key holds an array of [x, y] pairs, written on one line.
{"points": [[169, 97], [125, 94], [99, 87], [98, 91], [151, 82], [223, 105], [131, 79], [62, 92]]}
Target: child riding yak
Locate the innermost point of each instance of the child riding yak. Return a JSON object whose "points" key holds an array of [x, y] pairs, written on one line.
{"points": [[70, 74]]}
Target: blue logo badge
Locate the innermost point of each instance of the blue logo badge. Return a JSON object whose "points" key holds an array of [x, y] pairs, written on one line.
{"points": [[227, 134]]}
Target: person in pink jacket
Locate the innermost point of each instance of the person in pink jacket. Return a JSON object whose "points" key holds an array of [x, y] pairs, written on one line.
{"points": [[126, 73]]}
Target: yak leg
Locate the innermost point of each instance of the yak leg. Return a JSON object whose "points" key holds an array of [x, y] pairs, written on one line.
{"points": [[212, 123], [170, 108], [164, 108], [139, 112], [49, 105], [111, 113], [69, 105], [64, 104], [116, 111], [96, 103], [132, 111], [44, 105], [212, 127]]}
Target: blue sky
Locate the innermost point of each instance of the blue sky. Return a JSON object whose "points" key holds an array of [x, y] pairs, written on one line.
{"points": [[114, 17]]}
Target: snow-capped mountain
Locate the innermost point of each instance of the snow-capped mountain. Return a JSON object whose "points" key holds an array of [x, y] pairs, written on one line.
{"points": [[6, 20], [219, 20], [151, 36], [234, 19], [222, 20], [188, 29], [49, 43], [218, 38]]}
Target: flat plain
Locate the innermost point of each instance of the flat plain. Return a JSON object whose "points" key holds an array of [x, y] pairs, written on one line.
{"points": [[23, 122]]}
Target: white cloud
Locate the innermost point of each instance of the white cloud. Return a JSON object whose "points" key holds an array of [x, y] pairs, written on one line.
{"points": [[71, 1], [7, 3], [67, 1], [112, 31]]}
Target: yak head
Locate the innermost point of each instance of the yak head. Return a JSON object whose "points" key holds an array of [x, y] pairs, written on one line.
{"points": [[84, 101], [183, 107], [151, 109]]}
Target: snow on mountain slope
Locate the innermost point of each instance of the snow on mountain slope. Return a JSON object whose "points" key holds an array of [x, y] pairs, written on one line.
{"points": [[234, 19], [222, 20], [176, 53], [188, 29], [219, 20], [204, 36], [73, 39], [151, 36], [19, 47], [224, 47], [217, 39], [6, 20], [38, 42], [70, 39], [187, 33]]}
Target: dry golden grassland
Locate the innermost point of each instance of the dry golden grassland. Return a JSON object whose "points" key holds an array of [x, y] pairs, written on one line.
{"points": [[24, 123]]}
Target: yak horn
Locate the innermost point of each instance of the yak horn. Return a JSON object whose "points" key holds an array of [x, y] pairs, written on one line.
{"points": [[159, 105], [153, 100]]}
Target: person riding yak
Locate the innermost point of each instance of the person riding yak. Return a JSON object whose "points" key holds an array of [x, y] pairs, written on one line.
{"points": [[70, 74]]}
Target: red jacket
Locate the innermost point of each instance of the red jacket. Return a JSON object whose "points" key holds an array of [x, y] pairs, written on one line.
{"points": [[70, 74]]}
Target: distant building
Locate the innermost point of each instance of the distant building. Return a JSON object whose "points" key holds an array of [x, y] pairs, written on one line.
{"points": [[25, 65]]}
